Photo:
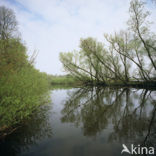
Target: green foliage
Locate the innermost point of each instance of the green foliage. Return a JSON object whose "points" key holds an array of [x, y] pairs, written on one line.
{"points": [[22, 88], [62, 80], [20, 95], [12, 55]]}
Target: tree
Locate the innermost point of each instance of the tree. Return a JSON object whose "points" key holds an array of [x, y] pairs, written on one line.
{"points": [[8, 23], [129, 54], [139, 24], [120, 45]]}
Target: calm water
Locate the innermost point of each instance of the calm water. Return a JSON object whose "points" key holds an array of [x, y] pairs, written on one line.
{"points": [[87, 122]]}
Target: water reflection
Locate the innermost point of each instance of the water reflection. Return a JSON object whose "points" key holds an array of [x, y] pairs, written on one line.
{"points": [[34, 130], [129, 112], [88, 121]]}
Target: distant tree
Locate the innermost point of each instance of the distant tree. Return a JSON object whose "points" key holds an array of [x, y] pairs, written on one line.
{"points": [[8, 23]]}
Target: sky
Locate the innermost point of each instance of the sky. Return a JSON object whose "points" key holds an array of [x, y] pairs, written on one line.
{"points": [[53, 26]]}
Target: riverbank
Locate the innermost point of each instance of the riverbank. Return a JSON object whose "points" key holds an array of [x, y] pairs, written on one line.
{"points": [[69, 81], [135, 84], [6, 131]]}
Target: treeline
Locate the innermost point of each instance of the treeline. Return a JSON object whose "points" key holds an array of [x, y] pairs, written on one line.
{"points": [[126, 57], [22, 87], [64, 80]]}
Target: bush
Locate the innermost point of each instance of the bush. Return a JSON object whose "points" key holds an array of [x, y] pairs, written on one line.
{"points": [[20, 95]]}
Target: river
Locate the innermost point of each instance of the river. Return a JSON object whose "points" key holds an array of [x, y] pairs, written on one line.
{"points": [[87, 122]]}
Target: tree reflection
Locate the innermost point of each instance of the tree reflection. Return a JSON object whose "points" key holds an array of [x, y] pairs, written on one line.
{"points": [[34, 130], [130, 112]]}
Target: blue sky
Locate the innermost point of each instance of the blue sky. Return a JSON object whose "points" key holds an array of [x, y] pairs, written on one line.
{"points": [[53, 26]]}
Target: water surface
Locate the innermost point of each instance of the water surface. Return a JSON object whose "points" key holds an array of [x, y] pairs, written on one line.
{"points": [[87, 122]]}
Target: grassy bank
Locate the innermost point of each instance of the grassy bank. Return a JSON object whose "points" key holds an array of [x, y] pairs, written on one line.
{"points": [[65, 80], [69, 81]]}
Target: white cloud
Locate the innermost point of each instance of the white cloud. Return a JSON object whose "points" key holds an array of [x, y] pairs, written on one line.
{"points": [[53, 26]]}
